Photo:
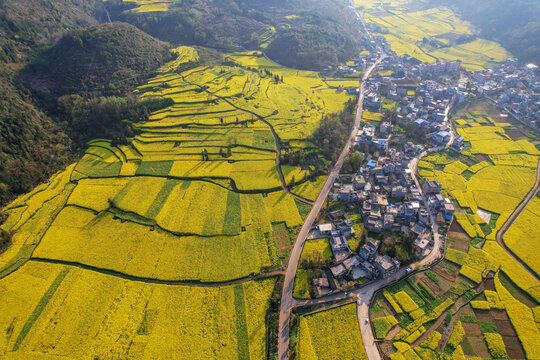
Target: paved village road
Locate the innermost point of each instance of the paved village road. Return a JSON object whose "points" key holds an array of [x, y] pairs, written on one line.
{"points": [[287, 301], [513, 217]]}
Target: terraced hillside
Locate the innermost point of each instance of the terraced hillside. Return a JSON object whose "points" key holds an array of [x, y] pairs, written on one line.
{"points": [[430, 34], [165, 247]]}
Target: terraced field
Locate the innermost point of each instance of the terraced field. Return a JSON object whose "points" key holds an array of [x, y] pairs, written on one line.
{"points": [[431, 34], [143, 6], [149, 250], [490, 294], [62, 311]]}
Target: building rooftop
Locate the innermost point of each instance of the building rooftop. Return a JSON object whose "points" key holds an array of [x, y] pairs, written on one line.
{"points": [[324, 227]]}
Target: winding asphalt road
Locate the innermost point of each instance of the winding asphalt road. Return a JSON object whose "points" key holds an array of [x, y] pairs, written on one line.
{"points": [[287, 301], [499, 237]]}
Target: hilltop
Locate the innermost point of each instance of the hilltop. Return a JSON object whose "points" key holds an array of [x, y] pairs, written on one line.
{"points": [[107, 58], [515, 23], [305, 34]]}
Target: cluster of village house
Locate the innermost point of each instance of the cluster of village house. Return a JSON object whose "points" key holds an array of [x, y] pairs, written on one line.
{"points": [[349, 266], [420, 100], [383, 191], [514, 88]]}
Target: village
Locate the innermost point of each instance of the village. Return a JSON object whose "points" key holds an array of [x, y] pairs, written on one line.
{"points": [[384, 192], [513, 88]]}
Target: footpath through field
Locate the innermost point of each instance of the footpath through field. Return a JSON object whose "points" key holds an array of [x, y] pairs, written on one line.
{"points": [[150, 280], [287, 301], [274, 134]]}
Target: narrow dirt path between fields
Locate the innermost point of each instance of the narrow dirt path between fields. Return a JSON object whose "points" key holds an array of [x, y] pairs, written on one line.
{"points": [[276, 139], [158, 281]]}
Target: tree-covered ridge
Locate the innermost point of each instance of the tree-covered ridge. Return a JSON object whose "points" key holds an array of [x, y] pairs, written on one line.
{"points": [[38, 136], [515, 23], [307, 34], [32, 146], [107, 58]]}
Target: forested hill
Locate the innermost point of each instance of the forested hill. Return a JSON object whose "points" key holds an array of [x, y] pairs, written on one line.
{"points": [[31, 144], [66, 79], [306, 34], [514, 23], [37, 138], [107, 59]]}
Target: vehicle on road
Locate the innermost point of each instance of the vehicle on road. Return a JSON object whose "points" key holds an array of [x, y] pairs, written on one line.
{"points": [[367, 321], [408, 270]]}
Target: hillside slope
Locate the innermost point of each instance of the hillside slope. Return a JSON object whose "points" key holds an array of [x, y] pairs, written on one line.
{"points": [[36, 137], [107, 58], [515, 23], [31, 145], [315, 33]]}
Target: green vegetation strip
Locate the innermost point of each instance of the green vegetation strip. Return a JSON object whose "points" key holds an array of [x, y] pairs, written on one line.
{"points": [[232, 221], [40, 306], [162, 196], [241, 325]]}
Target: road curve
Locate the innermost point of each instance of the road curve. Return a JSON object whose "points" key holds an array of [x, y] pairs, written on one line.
{"points": [[512, 218], [287, 301]]}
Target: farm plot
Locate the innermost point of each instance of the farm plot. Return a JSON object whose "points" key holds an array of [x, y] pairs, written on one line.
{"points": [[104, 242], [143, 6], [29, 217], [214, 233], [316, 251], [339, 324], [74, 313], [241, 246], [500, 171], [311, 188]]}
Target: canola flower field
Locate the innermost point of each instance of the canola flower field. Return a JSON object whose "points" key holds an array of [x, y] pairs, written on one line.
{"points": [[406, 26], [340, 325], [492, 174], [142, 6], [65, 312], [122, 255]]}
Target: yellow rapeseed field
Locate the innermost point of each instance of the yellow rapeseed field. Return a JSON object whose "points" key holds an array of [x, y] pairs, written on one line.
{"points": [[340, 325], [192, 198], [405, 30], [523, 237], [55, 311]]}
